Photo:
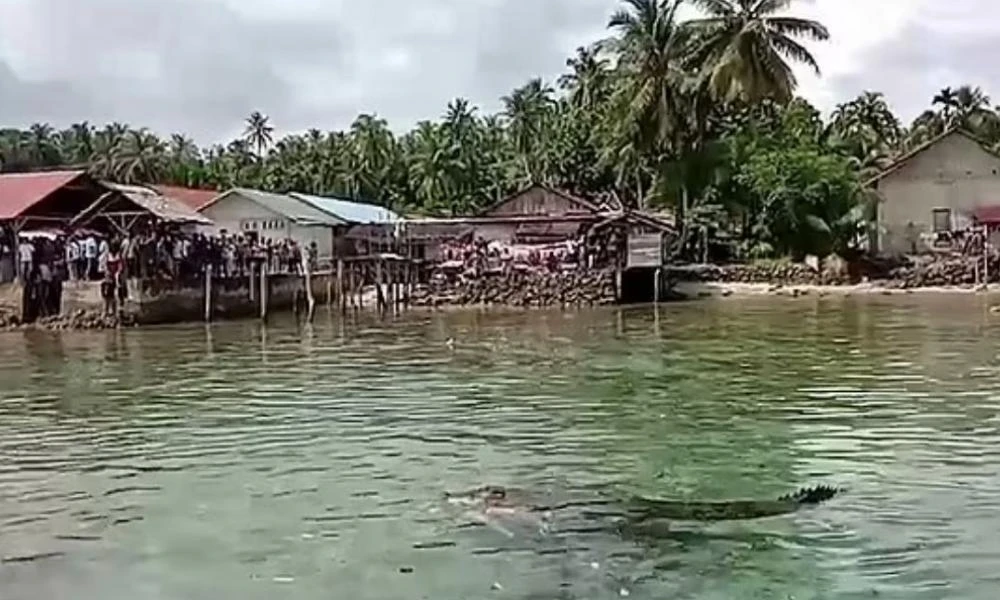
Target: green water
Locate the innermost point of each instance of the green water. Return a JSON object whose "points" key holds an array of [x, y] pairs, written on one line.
{"points": [[308, 462]]}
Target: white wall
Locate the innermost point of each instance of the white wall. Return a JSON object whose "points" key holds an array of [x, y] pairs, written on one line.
{"points": [[955, 173], [237, 214]]}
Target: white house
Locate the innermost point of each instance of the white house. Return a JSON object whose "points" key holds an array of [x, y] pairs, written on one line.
{"points": [[943, 185], [265, 215]]}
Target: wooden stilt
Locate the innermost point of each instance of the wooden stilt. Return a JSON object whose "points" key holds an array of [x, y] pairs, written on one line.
{"points": [[310, 299], [263, 294], [362, 276], [208, 293], [656, 286], [340, 285], [252, 281], [379, 299]]}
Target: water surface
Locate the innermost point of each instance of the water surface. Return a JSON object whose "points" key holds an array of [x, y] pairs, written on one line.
{"points": [[308, 462]]}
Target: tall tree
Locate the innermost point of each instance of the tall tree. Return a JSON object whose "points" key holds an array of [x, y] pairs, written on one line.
{"points": [[258, 132], [745, 46]]}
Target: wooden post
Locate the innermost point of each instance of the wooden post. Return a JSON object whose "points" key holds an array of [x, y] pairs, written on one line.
{"points": [[208, 293], [340, 285], [307, 278], [656, 286], [252, 280], [263, 294], [393, 291], [618, 284], [407, 272], [362, 276], [329, 288], [379, 300]]}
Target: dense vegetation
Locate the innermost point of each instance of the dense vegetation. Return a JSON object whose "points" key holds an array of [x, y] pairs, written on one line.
{"points": [[698, 116]]}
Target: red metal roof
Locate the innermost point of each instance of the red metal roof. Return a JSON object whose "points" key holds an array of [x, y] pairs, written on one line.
{"points": [[21, 191], [987, 215], [189, 196]]}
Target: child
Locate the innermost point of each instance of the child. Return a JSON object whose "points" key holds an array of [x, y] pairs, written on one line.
{"points": [[108, 294]]}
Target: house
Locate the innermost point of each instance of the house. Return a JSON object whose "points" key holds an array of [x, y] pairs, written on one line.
{"points": [[48, 198], [940, 186], [138, 205], [369, 228], [265, 215], [193, 198], [537, 216]]}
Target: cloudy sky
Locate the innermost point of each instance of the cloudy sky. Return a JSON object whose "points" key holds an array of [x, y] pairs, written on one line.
{"points": [[200, 66]]}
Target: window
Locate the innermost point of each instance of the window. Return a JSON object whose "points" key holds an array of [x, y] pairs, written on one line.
{"points": [[942, 219]]}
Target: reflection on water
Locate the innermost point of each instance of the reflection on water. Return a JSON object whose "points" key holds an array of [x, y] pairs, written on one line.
{"points": [[309, 461]]}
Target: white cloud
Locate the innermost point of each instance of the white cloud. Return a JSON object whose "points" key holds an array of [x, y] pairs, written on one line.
{"points": [[200, 66]]}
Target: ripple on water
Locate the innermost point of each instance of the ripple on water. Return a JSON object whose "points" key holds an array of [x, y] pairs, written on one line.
{"points": [[316, 457]]}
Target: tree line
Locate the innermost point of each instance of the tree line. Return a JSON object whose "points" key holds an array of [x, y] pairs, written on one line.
{"points": [[698, 116]]}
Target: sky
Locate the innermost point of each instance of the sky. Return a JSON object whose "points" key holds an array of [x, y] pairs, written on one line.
{"points": [[201, 66]]}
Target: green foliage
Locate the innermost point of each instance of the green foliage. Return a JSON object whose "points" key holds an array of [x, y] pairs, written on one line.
{"points": [[697, 117]]}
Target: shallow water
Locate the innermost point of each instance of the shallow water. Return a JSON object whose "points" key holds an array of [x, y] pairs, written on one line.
{"points": [[309, 462]]}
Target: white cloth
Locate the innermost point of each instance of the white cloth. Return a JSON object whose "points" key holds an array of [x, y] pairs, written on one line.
{"points": [[90, 247], [26, 252]]}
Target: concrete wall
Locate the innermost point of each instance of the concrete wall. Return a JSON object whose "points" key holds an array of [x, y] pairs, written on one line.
{"points": [[955, 173], [176, 304], [237, 214]]}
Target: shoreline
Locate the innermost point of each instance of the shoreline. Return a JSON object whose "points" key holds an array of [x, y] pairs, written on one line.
{"points": [[718, 289]]}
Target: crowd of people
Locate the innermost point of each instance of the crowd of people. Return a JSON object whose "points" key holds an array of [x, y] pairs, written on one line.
{"points": [[42, 261], [479, 256]]}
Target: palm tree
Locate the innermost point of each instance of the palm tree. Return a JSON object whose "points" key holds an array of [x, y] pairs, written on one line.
{"points": [[258, 132], [744, 47], [965, 106], [651, 110], [587, 80]]}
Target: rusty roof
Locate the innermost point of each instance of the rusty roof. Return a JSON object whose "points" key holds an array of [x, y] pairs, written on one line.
{"points": [[193, 198], [21, 191], [901, 160]]}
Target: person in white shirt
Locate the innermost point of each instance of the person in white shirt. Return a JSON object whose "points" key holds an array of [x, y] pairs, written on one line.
{"points": [[102, 257], [90, 254], [72, 258], [26, 258]]}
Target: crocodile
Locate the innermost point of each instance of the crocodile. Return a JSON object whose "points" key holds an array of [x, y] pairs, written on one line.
{"points": [[493, 504]]}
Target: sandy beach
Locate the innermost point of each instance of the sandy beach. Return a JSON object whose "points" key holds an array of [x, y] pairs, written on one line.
{"points": [[704, 289]]}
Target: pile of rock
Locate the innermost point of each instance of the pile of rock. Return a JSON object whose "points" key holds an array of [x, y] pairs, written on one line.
{"points": [[9, 319], [572, 288], [946, 271], [85, 319], [783, 273], [78, 320]]}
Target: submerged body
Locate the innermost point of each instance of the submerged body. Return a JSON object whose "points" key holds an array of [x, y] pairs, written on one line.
{"points": [[502, 508]]}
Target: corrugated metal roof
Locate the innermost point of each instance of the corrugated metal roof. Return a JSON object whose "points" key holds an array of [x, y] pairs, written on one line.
{"points": [[21, 191], [350, 211], [189, 196], [162, 207], [286, 205]]}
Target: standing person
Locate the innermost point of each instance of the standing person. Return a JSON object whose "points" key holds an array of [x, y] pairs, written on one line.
{"points": [[45, 278], [102, 256], [7, 258], [108, 294], [90, 256], [72, 258], [115, 267], [25, 258]]}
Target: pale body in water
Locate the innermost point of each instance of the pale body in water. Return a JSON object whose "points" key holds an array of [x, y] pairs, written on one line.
{"points": [[501, 508]]}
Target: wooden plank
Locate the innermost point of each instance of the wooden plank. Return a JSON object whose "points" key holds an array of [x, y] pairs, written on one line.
{"points": [[644, 250]]}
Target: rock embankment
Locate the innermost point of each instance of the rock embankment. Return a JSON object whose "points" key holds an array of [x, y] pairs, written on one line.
{"points": [[902, 273], [77, 320], [570, 288]]}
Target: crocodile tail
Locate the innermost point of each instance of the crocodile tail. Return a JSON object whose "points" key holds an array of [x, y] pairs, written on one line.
{"points": [[813, 495]]}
